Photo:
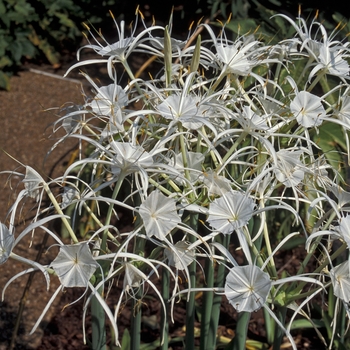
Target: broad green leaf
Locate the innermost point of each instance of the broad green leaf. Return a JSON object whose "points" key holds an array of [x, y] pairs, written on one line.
{"points": [[126, 340], [330, 134], [303, 323], [5, 61], [242, 26], [4, 81]]}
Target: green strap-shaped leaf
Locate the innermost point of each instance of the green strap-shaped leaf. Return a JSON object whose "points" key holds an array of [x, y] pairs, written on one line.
{"points": [[196, 55], [167, 56]]}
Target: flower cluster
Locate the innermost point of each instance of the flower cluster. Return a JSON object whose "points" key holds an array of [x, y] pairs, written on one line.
{"points": [[223, 156]]}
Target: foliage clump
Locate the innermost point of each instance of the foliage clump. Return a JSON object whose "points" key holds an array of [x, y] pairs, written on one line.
{"points": [[224, 160], [44, 28]]}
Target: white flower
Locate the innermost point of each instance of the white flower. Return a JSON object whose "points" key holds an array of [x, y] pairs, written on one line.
{"points": [[132, 277], [235, 57], [33, 183], [179, 256], [108, 100], [120, 50], [74, 265], [184, 109], [216, 184], [159, 215], [340, 276], [194, 165], [344, 111], [344, 229], [7, 242], [69, 194], [129, 158], [342, 195], [288, 170], [308, 109], [247, 288], [331, 60], [251, 121], [230, 212]]}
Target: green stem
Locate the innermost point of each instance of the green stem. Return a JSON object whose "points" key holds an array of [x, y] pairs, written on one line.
{"points": [[59, 211], [135, 342], [317, 79], [97, 312], [279, 334], [131, 75], [164, 320], [190, 306], [215, 310], [110, 210], [230, 151], [207, 307], [98, 222], [184, 154], [244, 94], [270, 326], [139, 249], [98, 324], [240, 339]]}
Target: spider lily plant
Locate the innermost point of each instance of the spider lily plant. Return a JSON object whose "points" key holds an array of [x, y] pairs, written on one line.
{"points": [[222, 163]]}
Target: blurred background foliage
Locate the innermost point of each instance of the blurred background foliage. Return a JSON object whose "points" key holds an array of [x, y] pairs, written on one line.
{"points": [[47, 30]]}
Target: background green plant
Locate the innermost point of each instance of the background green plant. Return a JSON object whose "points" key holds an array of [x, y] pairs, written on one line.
{"points": [[43, 29]]}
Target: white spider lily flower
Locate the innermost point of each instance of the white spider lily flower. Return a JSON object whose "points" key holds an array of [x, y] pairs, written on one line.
{"points": [[230, 212], [327, 54], [289, 170], [344, 229], [33, 183], [331, 61], [340, 276], [175, 72], [108, 100], [247, 288], [129, 158], [305, 33], [72, 119], [342, 196], [216, 184], [251, 121], [132, 277], [344, 112], [194, 165], [308, 109], [68, 196], [235, 57], [176, 45], [159, 215], [120, 50], [184, 109], [74, 265], [179, 256], [7, 242]]}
